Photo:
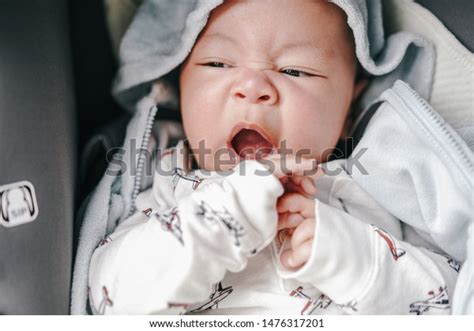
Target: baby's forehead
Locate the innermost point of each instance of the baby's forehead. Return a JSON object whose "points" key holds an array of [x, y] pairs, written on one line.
{"points": [[292, 22], [284, 13]]}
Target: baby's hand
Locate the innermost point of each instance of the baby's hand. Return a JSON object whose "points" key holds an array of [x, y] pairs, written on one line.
{"points": [[292, 166], [297, 174], [296, 217]]}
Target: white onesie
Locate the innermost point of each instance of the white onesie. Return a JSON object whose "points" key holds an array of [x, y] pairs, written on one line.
{"points": [[201, 242]]}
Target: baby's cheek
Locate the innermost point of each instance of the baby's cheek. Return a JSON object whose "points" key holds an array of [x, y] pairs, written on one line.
{"points": [[314, 136], [304, 138]]}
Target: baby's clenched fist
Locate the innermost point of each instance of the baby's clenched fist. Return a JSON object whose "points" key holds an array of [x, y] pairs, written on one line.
{"points": [[296, 217]]}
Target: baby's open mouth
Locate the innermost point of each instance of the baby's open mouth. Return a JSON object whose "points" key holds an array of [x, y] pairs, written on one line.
{"points": [[250, 144]]}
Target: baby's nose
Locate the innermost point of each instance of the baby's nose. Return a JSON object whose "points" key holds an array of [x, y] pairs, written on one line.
{"points": [[253, 86]]}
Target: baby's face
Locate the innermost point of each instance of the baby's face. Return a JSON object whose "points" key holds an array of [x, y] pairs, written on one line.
{"points": [[285, 70]]}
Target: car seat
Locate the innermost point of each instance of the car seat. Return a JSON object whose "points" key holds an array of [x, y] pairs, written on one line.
{"points": [[57, 122], [55, 59], [38, 151]]}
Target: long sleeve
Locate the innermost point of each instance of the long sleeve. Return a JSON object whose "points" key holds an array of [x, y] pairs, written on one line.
{"points": [[360, 260], [169, 261]]}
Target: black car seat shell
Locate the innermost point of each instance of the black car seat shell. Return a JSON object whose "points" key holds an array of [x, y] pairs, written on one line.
{"points": [[38, 145]]}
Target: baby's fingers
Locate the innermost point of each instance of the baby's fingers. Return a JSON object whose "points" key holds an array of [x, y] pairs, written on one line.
{"points": [[303, 232], [303, 185], [289, 220], [296, 203], [308, 185], [290, 166], [294, 258]]}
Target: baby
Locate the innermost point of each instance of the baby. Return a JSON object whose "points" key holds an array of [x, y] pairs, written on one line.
{"points": [[260, 80], [265, 94]]}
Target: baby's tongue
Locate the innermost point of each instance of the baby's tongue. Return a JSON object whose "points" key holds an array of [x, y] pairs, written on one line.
{"points": [[250, 144]]}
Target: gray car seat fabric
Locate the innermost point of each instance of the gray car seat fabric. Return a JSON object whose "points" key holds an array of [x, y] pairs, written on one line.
{"points": [[37, 144]]}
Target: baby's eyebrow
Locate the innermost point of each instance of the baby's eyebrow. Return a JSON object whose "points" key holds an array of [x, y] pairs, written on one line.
{"points": [[285, 47], [221, 35], [307, 46]]}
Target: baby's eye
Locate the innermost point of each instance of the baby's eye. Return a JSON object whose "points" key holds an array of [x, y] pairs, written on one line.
{"points": [[296, 73], [216, 65]]}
